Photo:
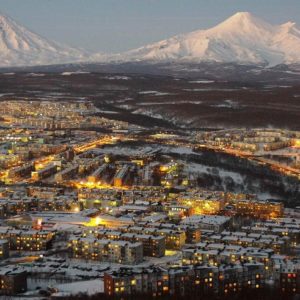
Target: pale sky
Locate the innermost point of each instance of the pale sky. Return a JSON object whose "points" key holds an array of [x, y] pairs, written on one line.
{"points": [[119, 25]]}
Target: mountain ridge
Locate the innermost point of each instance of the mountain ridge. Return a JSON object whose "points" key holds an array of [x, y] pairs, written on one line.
{"points": [[242, 38], [20, 46]]}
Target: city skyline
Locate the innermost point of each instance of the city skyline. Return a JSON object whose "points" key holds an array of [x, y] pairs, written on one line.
{"points": [[150, 149]]}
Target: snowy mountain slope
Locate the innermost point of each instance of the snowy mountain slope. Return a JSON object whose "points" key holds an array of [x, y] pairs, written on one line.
{"points": [[21, 47], [243, 38]]}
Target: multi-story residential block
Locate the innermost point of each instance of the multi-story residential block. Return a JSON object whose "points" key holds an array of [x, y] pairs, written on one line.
{"points": [[153, 282], [122, 252], [121, 176], [192, 280], [290, 279], [207, 222], [259, 209], [205, 206], [45, 172], [31, 240], [152, 245], [4, 249], [66, 173], [12, 281], [175, 239]]}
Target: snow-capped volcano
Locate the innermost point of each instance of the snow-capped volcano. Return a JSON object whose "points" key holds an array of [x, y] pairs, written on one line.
{"points": [[21, 47], [243, 38]]}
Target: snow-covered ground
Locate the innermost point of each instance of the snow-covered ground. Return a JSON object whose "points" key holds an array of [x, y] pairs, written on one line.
{"points": [[199, 168], [170, 102], [73, 73], [117, 77], [202, 81], [154, 93], [228, 104], [126, 150], [88, 287]]}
